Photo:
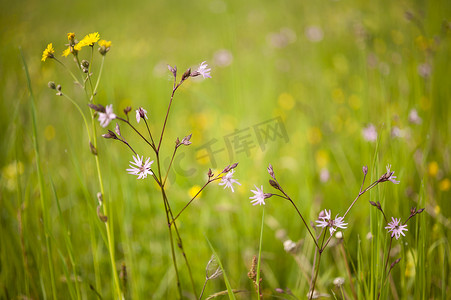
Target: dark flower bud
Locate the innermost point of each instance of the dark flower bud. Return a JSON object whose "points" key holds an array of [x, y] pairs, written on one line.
{"points": [[373, 203], [52, 85], [420, 210], [395, 262], [110, 135], [85, 64], [233, 166], [177, 142], [274, 184], [226, 169], [127, 110], [210, 173], [92, 148], [186, 74], [101, 216], [98, 107], [58, 87]]}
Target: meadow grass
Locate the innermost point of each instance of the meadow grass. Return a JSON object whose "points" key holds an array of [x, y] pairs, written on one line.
{"points": [[327, 69]]}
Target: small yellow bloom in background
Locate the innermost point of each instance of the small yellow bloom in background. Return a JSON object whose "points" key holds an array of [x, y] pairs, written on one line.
{"points": [[445, 185], [193, 191], [48, 52], [433, 168], [314, 135], [286, 101], [90, 39], [322, 158], [49, 132], [437, 210]]}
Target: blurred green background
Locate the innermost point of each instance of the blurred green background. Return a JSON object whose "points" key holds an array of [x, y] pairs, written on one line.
{"points": [[326, 69]]}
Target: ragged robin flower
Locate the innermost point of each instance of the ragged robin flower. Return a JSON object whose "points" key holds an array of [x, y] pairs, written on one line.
{"points": [[48, 52]]}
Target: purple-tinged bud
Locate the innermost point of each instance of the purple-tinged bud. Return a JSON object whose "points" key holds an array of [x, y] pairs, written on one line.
{"points": [[117, 129], [233, 166], [267, 195], [98, 107], [270, 171], [210, 173], [420, 210], [365, 170], [186, 74], [279, 290], [226, 169], [127, 110], [373, 203], [110, 135], [395, 262], [177, 143], [186, 140], [173, 70], [274, 184], [92, 148]]}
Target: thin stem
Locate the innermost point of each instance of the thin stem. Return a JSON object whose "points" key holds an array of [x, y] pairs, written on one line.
{"points": [[167, 114], [203, 289], [170, 164], [136, 130], [150, 134], [312, 290]]}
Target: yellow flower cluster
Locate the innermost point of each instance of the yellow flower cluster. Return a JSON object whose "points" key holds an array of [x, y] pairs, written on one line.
{"points": [[74, 47]]}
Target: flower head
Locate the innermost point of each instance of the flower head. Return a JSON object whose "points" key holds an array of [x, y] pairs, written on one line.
{"points": [[202, 70], [259, 197], [389, 176], [106, 117], [325, 220], [89, 40], [104, 46], [67, 51], [395, 228], [140, 169], [227, 180], [70, 36], [48, 52], [141, 113]]}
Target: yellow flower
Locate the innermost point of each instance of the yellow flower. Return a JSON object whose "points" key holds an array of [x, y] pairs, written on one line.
{"points": [[70, 36], [48, 52], [90, 39], [433, 168], [79, 45], [106, 44], [66, 52], [445, 185]]}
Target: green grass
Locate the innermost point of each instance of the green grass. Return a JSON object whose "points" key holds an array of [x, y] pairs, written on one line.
{"points": [[364, 70]]}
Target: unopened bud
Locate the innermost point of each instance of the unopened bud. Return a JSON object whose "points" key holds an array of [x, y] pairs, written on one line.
{"points": [[173, 70], [210, 173], [117, 129], [186, 140], [92, 148], [420, 210], [52, 85], [270, 171], [85, 63], [98, 107], [274, 184], [365, 170], [101, 216], [127, 110], [58, 87], [110, 135], [395, 262], [186, 74]]}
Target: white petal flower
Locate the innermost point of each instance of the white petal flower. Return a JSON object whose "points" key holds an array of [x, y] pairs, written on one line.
{"points": [[140, 113], [259, 197], [369, 133], [227, 180], [203, 70], [106, 117], [395, 228], [140, 169]]}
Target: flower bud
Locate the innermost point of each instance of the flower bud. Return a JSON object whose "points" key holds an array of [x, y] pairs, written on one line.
{"points": [[365, 170], [52, 85], [186, 74]]}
